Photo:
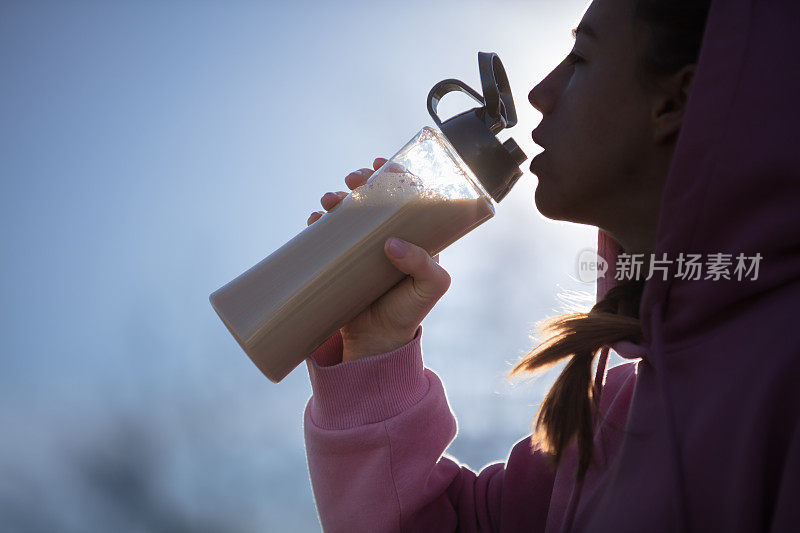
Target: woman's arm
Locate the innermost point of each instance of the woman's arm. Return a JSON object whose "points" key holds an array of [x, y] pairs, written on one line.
{"points": [[376, 430]]}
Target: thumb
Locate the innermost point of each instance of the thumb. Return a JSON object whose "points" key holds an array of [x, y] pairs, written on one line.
{"points": [[430, 280]]}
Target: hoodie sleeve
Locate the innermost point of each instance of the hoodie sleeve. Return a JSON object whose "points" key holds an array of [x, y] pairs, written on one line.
{"points": [[375, 432]]}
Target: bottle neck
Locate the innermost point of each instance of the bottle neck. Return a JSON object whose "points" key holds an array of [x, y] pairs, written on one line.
{"points": [[468, 173]]}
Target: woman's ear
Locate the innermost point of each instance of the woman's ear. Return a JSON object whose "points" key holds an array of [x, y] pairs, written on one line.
{"points": [[670, 104]]}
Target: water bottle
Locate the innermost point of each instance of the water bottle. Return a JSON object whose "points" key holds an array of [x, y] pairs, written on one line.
{"points": [[437, 188]]}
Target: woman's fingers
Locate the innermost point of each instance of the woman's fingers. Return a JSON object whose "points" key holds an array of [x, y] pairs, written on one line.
{"points": [[330, 200], [430, 280], [314, 217], [392, 167], [358, 178]]}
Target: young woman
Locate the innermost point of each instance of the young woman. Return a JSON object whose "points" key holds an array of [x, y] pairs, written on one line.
{"points": [[671, 126]]}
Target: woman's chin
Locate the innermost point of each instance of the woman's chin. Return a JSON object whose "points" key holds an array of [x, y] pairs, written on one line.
{"points": [[548, 205]]}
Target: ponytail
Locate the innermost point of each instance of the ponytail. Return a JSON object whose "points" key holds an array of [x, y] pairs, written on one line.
{"points": [[569, 408]]}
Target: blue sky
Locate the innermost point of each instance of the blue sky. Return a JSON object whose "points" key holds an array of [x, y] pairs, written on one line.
{"points": [[149, 153]]}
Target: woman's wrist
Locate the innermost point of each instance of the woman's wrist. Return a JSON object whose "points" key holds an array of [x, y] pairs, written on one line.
{"points": [[359, 349]]}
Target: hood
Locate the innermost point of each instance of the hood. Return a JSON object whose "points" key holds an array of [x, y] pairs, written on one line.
{"points": [[734, 184], [719, 354], [733, 187]]}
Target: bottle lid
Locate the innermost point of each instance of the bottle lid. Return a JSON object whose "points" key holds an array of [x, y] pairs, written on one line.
{"points": [[472, 133]]}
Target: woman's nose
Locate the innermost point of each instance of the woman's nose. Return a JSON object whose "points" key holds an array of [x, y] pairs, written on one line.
{"points": [[544, 95], [537, 98]]}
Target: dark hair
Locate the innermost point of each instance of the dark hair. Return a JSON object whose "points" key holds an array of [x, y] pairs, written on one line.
{"points": [[674, 34]]}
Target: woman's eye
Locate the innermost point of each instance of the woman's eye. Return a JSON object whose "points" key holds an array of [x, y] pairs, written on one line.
{"points": [[573, 58]]}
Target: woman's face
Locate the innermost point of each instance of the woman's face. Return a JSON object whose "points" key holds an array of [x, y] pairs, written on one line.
{"points": [[596, 125]]}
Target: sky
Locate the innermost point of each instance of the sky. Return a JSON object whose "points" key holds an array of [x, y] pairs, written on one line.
{"points": [[151, 152]]}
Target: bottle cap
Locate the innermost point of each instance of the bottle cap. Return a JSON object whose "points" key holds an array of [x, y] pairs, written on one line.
{"points": [[472, 133]]}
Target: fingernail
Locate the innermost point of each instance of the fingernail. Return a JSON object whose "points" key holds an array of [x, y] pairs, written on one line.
{"points": [[397, 247]]}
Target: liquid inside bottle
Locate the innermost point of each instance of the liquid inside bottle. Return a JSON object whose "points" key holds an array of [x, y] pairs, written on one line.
{"points": [[284, 307]]}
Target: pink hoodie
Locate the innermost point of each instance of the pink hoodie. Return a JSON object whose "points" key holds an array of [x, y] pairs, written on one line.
{"points": [[701, 432]]}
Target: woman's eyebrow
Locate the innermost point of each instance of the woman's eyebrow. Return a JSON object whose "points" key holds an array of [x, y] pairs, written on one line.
{"points": [[584, 29]]}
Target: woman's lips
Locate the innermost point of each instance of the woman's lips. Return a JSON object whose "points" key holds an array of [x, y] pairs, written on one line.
{"points": [[535, 161], [537, 139]]}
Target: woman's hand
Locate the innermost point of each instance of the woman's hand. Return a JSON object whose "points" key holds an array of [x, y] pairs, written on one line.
{"points": [[392, 320]]}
